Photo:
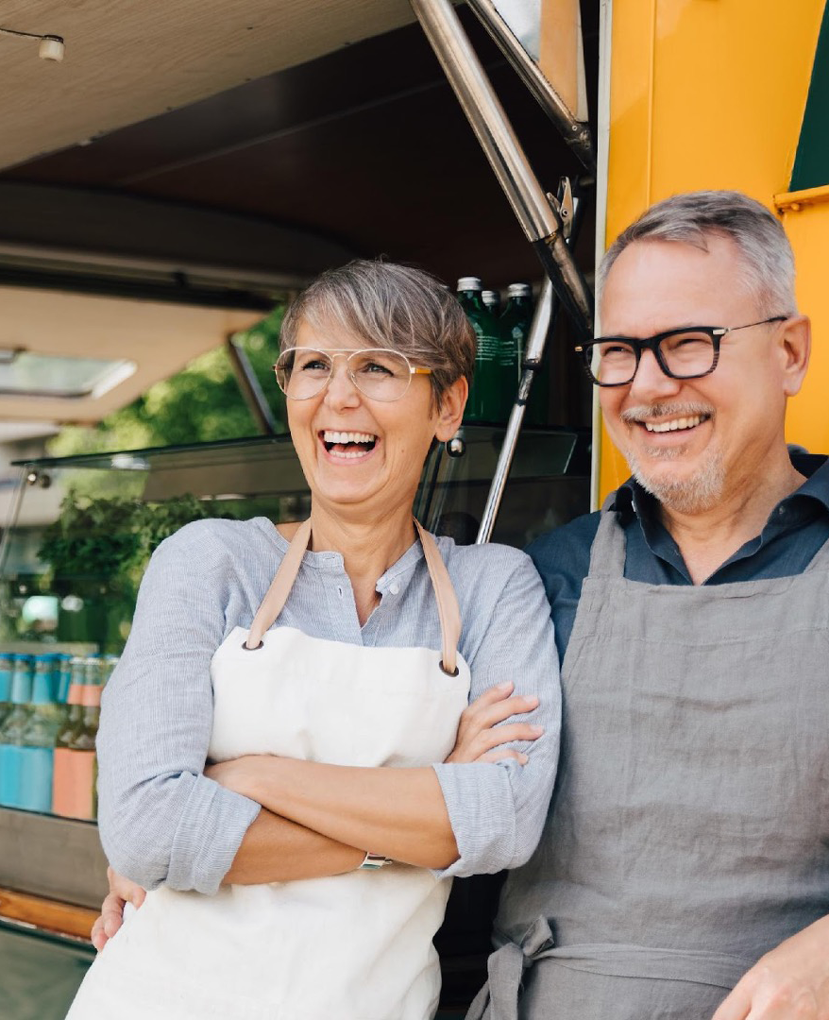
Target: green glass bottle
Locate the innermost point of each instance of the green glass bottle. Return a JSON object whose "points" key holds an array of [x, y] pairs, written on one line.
{"points": [[514, 327], [484, 404], [515, 324]]}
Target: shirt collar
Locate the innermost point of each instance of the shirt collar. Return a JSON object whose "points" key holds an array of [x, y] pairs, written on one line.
{"points": [[632, 502]]}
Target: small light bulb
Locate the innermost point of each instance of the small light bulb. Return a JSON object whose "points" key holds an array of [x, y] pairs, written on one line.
{"points": [[51, 48]]}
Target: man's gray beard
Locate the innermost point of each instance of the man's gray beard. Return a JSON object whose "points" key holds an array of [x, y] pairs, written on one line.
{"points": [[693, 495]]}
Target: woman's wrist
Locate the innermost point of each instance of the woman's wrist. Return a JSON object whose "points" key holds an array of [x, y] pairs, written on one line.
{"points": [[264, 778], [253, 775]]}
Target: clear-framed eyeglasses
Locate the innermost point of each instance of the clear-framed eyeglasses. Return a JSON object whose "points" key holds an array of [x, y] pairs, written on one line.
{"points": [[688, 353], [378, 373]]}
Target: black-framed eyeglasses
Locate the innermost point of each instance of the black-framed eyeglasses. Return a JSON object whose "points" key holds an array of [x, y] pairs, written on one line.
{"points": [[688, 353]]}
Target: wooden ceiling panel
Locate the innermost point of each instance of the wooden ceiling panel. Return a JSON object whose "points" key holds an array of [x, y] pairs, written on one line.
{"points": [[127, 60], [367, 146]]}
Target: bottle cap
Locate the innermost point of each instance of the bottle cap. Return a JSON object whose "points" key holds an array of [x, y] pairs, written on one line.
{"points": [[490, 297], [469, 283], [519, 290]]}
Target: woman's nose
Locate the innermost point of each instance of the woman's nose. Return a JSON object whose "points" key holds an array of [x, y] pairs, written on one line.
{"points": [[340, 390]]}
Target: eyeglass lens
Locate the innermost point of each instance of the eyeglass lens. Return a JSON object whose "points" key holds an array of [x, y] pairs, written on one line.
{"points": [[378, 374], [686, 355]]}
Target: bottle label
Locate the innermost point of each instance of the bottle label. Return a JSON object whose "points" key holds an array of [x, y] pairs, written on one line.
{"points": [[91, 696], [21, 688], [488, 345], [35, 780], [73, 783], [10, 762], [76, 694]]}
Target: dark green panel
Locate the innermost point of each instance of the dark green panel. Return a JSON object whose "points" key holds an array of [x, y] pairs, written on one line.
{"points": [[811, 164], [40, 975]]}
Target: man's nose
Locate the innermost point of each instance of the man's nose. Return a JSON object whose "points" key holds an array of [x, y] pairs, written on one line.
{"points": [[650, 380]]}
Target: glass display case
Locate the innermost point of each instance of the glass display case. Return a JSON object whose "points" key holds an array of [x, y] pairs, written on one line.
{"points": [[71, 560], [83, 527]]}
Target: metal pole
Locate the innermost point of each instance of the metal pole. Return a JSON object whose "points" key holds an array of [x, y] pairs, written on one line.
{"points": [[251, 390], [13, 515], [574, 132], [535, 349], [529, 202]]}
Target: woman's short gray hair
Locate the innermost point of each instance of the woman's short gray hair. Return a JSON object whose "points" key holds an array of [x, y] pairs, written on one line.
{"points": [[385, 304], [765, 253]]}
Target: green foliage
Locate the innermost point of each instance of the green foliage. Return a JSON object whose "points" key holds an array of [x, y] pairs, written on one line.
{"points": [[96, 552], [113, 538], [91, 538], [199, 404]]}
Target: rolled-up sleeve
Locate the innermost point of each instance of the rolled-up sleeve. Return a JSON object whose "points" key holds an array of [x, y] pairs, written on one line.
{"points": [[160, 819], [497, 810]]}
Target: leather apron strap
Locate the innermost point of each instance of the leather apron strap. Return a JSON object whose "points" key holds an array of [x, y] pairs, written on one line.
{"points": [[448, 609], [277, 595]]}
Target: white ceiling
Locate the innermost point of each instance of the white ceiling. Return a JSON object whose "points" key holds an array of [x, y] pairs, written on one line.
{"points": [[127, 60]]}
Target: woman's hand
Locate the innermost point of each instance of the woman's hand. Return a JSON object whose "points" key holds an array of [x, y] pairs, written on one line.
{"points": [[241, 775], [479, 732], [121, 892]]}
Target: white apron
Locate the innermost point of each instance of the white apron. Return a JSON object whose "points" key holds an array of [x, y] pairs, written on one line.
{"points": [[348, 947]]}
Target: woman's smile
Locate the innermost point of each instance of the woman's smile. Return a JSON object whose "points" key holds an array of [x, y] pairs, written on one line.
{"points": [[350, 447]]}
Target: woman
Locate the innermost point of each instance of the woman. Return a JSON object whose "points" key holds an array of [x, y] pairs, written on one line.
{"points": [[304, 874]]}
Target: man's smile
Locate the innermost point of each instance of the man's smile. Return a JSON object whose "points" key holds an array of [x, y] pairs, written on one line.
{"points": [[669, 421], [675, 424]]}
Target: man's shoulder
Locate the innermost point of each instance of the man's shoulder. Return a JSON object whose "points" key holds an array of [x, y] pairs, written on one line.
{"points": [[562, 556]]}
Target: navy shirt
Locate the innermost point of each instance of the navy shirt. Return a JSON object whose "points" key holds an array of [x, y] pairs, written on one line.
{"points": [[797, 527]]}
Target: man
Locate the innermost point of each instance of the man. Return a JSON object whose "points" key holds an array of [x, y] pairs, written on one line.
{"points": [[686, 851]]}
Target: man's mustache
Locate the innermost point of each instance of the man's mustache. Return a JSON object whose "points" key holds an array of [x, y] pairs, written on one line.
{"points": [[646, 412]]}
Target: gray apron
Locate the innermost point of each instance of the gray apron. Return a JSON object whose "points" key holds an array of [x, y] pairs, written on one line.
{"points": [[689, 828]]}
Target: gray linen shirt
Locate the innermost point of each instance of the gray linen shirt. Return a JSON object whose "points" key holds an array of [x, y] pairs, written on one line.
{"points": [[162, 821]]}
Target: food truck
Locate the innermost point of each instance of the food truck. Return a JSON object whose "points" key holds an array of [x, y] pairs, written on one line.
{"points": [[169, 172]]}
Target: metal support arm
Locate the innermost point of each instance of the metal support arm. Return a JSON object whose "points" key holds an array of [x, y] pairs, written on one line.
{"points": [[532, 360], [251, 390], [574, 132], [537, 216]]}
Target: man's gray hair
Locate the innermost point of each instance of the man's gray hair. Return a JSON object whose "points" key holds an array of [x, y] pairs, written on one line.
{"points": [[384, 304], [767, 261]]}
